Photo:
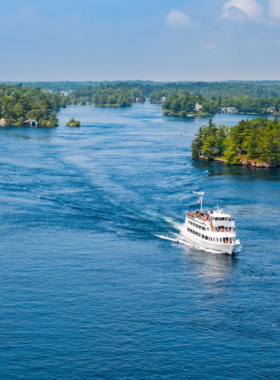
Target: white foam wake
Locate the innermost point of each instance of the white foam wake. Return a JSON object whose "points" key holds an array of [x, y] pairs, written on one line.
{"points": [[172, 222], [166, 238], [177, 240]]}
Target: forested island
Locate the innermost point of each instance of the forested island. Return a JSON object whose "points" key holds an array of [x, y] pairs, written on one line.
{"points": [[121, 95], [178, 98], [213, 90], [248, 98], [256, 89], [21, 106], [24, 106], [251, 143], [73, 123], [184, 105]]}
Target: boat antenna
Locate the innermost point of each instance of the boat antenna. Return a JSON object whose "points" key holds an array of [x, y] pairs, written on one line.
{"points": [[201, 198]]}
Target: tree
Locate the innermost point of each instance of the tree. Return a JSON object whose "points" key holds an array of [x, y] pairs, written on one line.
{"points": [[205, 141], [197, 143], [73, 123], [222, 135], [208, 146]]}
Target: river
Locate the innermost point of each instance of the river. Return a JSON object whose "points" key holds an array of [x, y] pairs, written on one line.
{"points": [[92, 284]]}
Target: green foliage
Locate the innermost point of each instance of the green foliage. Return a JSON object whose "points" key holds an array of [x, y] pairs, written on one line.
{"points": [[230, 89], [209, 134], [119, 95], [73, 123], [221, 137], [18, 104], [247, 98], [146, 87], [197, 143], [210, 141], [257, 139], [217, 90], [185, 105], [251, 105]]}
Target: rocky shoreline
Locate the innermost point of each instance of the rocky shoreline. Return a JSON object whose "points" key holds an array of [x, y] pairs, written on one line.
{"points": [[244, 162]]}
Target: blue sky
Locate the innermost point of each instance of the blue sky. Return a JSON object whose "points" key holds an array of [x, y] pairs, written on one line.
{"points": [[157, 40]]}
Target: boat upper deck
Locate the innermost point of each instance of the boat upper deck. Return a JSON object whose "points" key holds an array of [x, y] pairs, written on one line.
{"points": [[214, 221], [199, 215]]}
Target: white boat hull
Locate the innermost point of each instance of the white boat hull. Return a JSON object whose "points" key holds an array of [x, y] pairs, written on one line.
{"points": [[209, 245]]}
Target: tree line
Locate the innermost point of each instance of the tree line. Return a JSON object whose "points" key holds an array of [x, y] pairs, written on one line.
{"points": [[183, 105], [214, 90], [255, 89], [107, 95], [257, 140], [18, 104]]}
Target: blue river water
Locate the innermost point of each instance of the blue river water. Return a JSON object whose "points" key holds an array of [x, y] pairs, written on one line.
{"points": [[91, 287]]}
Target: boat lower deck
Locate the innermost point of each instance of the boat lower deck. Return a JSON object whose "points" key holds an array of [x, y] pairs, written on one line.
{"points": [[223, 246]]}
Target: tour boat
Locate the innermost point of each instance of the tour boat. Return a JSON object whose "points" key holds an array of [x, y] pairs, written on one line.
{"points": [[210, 230]]}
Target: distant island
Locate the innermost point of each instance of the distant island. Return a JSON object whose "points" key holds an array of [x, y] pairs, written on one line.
{"points": [[251, 143], [188, 105], [32, 106], [192, 105], [156, 90], [121, 95], [73, 123]]}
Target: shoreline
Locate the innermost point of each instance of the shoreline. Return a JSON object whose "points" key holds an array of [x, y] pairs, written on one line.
{"points": [[243, 162], [202, 114], [110, 106], [205, 114]]}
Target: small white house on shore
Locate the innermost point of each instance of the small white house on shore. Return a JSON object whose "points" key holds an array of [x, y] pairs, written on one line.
{"points": [[198, 107], [271, 110], [230, 110], [163, 99]]}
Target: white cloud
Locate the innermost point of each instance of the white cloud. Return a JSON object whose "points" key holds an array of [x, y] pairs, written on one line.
{"points": [[237, 9], [178, 20], [274, 9]]}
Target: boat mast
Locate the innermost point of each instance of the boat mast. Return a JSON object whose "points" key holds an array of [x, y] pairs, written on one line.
{"points": [[201, 199]]}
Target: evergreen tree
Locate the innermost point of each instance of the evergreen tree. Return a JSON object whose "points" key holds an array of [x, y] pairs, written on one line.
{"points": [[257, 139]]}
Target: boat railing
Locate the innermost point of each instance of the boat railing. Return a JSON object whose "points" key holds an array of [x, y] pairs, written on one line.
{"points": [[203, 218], [225, 230]]}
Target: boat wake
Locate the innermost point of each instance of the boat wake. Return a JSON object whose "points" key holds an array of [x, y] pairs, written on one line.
{"points": [[177, 226], [177, 239]]}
